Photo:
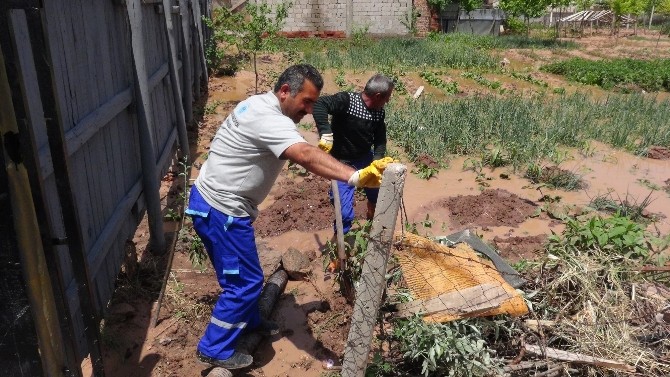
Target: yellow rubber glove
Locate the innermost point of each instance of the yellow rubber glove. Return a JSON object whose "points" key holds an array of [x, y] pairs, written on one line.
{"points": [[371, 175], [326, 142]]}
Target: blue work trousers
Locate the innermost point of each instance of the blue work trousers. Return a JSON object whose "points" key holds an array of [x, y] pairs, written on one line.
{"points": [[231, 246], [347, 192]]}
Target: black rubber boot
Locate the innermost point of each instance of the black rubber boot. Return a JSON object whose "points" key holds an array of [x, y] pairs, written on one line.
{"points": [[237, 361]]}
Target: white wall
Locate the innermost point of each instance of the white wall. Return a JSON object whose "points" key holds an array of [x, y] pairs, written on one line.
{"points": [[380, 16]]}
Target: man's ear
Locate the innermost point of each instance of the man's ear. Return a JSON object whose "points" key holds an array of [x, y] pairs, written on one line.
{"points": [[284, 91]]}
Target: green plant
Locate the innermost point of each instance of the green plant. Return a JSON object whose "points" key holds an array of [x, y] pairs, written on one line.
{"points": [[627, 206], [478, 167], [250, 30], [528, 77], [408, 20], [495, 157], [514, 25], [196, 252], [394, 73], [411, 228], [424, 171], [616, 234], [439, 5], [427, 222], [448, 87], [210, 108], [172, 215], [356, 246], [651, 75], [649, 184], [491, 84], [554, 176], [444, 349], [342, 83], [359, 35], [378, 367]]}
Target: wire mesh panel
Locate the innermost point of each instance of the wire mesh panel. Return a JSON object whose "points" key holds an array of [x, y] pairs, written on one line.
{"points": [[452, 282]]}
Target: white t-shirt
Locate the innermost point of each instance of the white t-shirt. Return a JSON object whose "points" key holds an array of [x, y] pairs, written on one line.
{"points": [[243, 161]]}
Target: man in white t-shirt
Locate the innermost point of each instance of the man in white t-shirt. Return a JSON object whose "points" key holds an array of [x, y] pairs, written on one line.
{"points": [[245, 158]]}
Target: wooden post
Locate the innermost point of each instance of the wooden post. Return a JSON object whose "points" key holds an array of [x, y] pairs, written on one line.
{"points": [[197, 67], [372, 282], [147, 154], [186, 60], [174, 83], [19, 351], [68, 204], [197, 14], [60, 338]]}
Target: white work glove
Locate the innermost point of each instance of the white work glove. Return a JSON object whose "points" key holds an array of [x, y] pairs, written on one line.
{"points": [[326, 142]]}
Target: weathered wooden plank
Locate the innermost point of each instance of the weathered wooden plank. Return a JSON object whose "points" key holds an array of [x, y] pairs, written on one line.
{"points": [[124, 165], [187, 71], [195, 47], [101, 247], [372, 282], [91, 124], [577, 358], [201, 42], [462, 302], [167, 151], [35, 287], [69, 205], [106, 89], [147, 154], [88, 187], [175, 83], [103, 244]]}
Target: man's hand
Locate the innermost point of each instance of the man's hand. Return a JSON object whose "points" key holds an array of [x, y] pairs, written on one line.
{"points": [[370, 176], [326, 142]]}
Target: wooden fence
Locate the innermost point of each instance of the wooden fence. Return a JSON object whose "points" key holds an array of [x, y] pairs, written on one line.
{"points": [[100, 93]]}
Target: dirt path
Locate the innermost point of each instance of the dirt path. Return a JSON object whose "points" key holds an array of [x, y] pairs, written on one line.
{"points": [[500, 206]]}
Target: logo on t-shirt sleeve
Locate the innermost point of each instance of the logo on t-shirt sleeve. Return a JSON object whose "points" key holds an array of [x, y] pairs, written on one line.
{"points": [[241, 109]]}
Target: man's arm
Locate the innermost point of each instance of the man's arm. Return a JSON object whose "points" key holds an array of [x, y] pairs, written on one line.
{"points": [[326, 105], [380, 141], [318, 162]]}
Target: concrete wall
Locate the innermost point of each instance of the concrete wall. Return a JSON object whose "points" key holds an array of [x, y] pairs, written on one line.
{"points": [[329, 17]]}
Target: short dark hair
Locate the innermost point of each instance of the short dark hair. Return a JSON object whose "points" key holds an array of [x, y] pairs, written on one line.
{"points": [[379, 84], [295, 77]]}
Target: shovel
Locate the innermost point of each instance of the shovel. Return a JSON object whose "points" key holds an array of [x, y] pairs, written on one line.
{"points": [[345, 279]]}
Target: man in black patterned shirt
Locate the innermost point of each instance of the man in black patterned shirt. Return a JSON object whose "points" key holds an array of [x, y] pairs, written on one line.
{"points": [[356, 135]]}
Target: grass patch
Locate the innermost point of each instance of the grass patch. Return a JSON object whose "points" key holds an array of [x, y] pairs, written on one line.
{"points": [[438, 50], [626, 206], [526, 129], [650, 75]]}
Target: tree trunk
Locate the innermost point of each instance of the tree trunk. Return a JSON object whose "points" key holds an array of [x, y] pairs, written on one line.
{"points": [[255, 71]]}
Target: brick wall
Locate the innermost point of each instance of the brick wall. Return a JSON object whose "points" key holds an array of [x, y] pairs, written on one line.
{"points": [[329, 17], [423, 21]]}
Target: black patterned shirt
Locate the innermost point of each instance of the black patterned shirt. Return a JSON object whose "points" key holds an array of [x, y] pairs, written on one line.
{"points": [[356, 128]]}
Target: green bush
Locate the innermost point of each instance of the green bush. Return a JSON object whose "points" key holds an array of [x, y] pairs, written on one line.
{"points": [[445, 349], [650, 75], [515, 26], [617, 235]]}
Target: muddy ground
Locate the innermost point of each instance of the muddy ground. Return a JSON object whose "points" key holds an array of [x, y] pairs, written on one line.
{"points": [[509, 213]]}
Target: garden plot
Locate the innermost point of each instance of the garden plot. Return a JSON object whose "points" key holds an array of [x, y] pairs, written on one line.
{"points": [[510, 154]]}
